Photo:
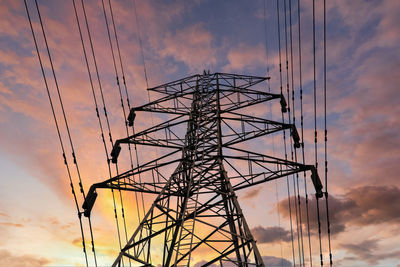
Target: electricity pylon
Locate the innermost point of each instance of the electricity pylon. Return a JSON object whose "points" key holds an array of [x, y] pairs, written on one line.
{"points": [[196, 214]]}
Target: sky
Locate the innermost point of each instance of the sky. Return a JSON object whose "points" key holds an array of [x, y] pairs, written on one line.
{"points": [[38, 218]]}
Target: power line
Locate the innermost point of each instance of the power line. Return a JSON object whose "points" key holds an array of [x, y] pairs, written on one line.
{"points": [[66, 123], [134, 6], [293, 153], [271, 117], [296, 184], [127, 100], [124, 116], [140, 44], [326, 146], [315, 126], [302, 128], [95, 100], [58, 131], [290, 122], [284, 132]]}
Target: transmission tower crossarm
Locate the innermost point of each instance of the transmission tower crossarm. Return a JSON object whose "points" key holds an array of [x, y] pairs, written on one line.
{"points": [[240, 137], [146, 137], [162, 105], [175, 86], [270, 168]]}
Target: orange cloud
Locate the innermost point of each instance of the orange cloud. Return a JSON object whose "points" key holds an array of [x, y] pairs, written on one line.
{"points": [[11, 224], [9, 259]]}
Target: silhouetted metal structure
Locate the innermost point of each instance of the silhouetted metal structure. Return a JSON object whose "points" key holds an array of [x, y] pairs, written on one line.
{"points": [[196, 208]]}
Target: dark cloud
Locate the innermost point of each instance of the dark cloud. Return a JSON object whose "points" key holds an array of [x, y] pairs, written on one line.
{"points": [[359, 206], [275, 261], [9, 259], [367, 251], [376, 204], [270, 234]]}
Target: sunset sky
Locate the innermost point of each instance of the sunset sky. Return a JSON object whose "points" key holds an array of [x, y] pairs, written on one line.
{"points": [[38, 219]]}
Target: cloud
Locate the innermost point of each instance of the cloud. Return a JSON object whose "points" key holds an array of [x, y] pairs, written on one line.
{"points": [[270, 234], [275, 261], [252, 193], [11, 224], [9, 259], [192, 45], [245, 56], [367, 250], [376, 204], [361, 206]]}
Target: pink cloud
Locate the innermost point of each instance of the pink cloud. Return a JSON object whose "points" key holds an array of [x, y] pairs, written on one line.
{"points": [[245, 56], [192, 45]]}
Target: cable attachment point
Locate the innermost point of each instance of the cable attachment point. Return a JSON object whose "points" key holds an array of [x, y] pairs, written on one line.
{"points": [[131, 117], [283, 104], [316, 182], [89, 201], [295, 135], [115, 152]]}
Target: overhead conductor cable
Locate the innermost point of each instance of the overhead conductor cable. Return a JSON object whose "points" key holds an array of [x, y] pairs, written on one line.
{"points": [[284, 132], [315, 129], [302, 130], [56, 123], [271, 117], [326, 146]]}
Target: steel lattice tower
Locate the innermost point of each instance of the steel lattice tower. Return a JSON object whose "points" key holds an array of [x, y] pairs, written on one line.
{"points": [[196, 208]]}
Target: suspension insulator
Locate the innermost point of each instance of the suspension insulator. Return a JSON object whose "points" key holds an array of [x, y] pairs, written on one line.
{"points": [[115, 152], [316, 182], [89, 201], [283, 104], [296, 138], [131, 117]]}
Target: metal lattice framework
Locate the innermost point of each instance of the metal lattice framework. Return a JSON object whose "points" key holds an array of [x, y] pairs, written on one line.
{"points": [[196, 208]]}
